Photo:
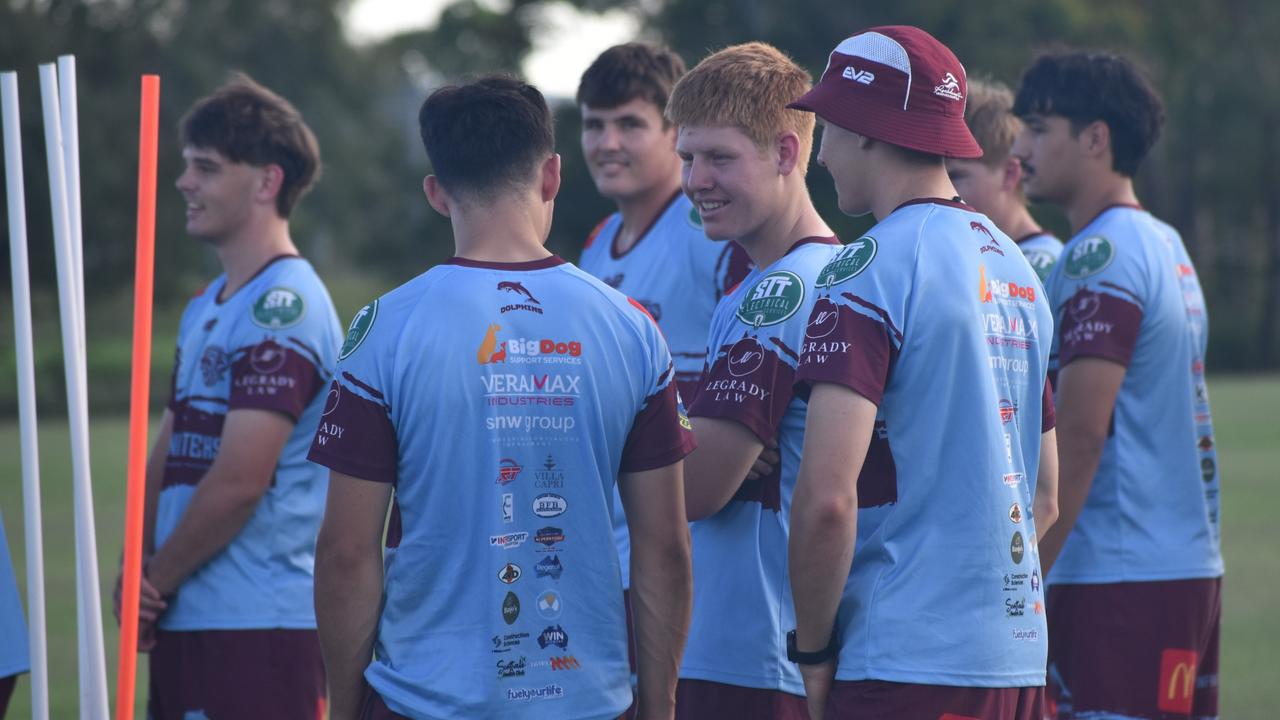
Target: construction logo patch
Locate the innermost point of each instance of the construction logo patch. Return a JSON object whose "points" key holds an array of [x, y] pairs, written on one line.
{"points": [[278, 308]]}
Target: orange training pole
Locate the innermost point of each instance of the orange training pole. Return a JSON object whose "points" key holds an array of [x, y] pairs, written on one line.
{"points": [[141, 378]]}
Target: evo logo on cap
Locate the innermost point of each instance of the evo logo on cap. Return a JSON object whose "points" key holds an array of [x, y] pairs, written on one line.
{"points": [[858, 76]]}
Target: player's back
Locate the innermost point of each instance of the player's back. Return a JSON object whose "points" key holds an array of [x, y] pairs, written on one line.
{"points": [[941, 589], [1126, 291], [502, 400]]}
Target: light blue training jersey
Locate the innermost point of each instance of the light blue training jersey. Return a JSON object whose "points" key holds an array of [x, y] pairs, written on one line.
{"points": [[502, 400], [1126, 291], [1041, 250], [269, 346], [678, 275], [936, 317], [13, 626], [742, 606]]}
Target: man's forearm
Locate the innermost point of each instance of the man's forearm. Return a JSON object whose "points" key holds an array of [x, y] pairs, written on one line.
{"points": [[155, 476], [218, 511], [715, 470], [348, 598], [820, 553], [661, 602]]}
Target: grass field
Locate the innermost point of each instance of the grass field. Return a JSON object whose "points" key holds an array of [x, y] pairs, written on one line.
{"points": [[1248, 429]]}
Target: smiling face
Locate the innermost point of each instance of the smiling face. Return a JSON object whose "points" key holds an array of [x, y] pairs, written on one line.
{"points": [[220, 195], [734, 184], [1053, 158], [629, 148]]}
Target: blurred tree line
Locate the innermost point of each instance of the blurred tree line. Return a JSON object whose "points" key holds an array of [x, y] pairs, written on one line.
{"points": [[1215, 174]]}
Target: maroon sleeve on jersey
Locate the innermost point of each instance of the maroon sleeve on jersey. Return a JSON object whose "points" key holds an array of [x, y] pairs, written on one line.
{"points": [[1048, 414], [355, 437], [1098, 325], [658, 436], [271, 376], [748, 383], [847, 348]]}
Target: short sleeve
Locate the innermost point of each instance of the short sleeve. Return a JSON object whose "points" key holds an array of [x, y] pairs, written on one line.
{"points": [[280, 372], [1100, 290], [660, 434], [356, 436]]}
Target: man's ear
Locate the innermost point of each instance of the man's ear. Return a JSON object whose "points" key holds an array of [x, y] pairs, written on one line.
{"points": [[788, 147], [436, 196], [1097, 138], [549, 178], [1011, 175], [269, 183]]}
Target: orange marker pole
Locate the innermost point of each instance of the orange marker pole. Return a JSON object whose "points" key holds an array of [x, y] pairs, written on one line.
{"points": [[141, 378]]}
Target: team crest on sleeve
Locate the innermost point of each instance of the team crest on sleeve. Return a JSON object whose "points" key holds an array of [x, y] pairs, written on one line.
{"points": [[278, 308], [359, 329], [849, 262], [1088, 257], [774, 298]]}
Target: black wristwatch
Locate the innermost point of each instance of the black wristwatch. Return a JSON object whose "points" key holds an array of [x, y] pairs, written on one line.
{"points": [[811, 658]]}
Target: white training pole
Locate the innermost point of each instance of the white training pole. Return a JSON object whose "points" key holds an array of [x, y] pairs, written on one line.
{"points": [[93, 676], [26, 394], [70, 112]]}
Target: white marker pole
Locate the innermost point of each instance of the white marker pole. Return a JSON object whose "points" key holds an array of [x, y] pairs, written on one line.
{"points": [[71, 161], [26, 394], [93, 675]]}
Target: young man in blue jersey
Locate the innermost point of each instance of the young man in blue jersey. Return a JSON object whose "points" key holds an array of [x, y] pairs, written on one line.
{"points": [[1135, 588], [502, 395], [744, 156], [929, 417], [993, 184], [233, 506], [653, 248]]}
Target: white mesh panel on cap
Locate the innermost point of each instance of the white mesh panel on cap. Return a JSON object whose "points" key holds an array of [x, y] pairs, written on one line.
{"points": [[877, 48]]}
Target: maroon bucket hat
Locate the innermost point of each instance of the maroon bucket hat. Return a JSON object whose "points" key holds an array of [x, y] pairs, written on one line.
{"points": [[899, 85]]}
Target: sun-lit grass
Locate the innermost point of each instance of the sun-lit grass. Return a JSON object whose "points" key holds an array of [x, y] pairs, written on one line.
{"points": [[1248, 430]]}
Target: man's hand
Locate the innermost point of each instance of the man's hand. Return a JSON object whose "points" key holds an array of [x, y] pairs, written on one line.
{"points": [[150, 607], [766, 463], [817, 685]]}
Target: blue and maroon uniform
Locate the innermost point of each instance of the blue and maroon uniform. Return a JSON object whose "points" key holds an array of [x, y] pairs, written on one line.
{"points": [[1126, 291], [502, 400]]}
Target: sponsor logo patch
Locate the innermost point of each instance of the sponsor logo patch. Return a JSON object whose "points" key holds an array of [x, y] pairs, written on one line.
{"points": [[549, 505], [359, 329], [949, 88], [509, 573], [549, 567], [508, 470], [1017, 548], [849, 262], [1015, 513], [554, 635], [214, 363], [508, 541], [1087, 256], [774, 299], [512, 668], [278, 308], [549, 604], [508, 642], [1177, 681], [510, 608], [549, 536], [550, 691]]}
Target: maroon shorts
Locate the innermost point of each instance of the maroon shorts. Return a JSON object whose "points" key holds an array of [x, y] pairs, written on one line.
{"points": [[237, 674], [374, 708], [879, 700], [698, 699], [1143, 649]]}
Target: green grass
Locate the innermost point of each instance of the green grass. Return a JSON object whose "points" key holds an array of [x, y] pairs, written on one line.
{"points": [[1244, 409]]}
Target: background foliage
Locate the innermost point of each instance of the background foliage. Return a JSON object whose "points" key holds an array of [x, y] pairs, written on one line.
{"points": [[1215, 175]]}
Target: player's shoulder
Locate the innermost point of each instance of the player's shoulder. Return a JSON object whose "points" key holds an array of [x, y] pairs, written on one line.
{"points": [[1121, 239], [382, 321], [602, 231]]}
